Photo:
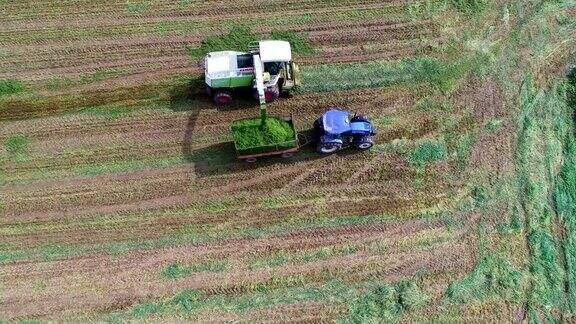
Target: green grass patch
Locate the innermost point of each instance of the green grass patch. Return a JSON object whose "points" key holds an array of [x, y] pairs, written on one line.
{"points": [[364, 299], [493, 124], [236, 39], [137, 7], [274, 201], [107, 112], [299, 42], [10, 86], [16, 144], [425, 9], [492, 277], [250, 133], [386, 303], [99, 75], [17, 148], [175, 270], [427, 151], [470, 6]]}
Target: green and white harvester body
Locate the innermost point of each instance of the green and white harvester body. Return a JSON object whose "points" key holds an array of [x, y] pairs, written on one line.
{"points": [[230, 72]]}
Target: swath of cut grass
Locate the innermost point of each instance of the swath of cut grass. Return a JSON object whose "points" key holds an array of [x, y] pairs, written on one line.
{"points": [[543, 122], [385, 302], [439, 74], [176, 270], [565, 199]]}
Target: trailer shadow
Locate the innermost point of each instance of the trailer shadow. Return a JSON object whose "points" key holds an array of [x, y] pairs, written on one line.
{"points": [[220, 158]]}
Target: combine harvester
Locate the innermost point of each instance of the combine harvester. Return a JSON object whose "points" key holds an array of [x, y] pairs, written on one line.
{"points": [[268, 70], [230, 72]]}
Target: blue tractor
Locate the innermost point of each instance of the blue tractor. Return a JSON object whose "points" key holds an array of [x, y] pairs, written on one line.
{"points": [[335, 130]]}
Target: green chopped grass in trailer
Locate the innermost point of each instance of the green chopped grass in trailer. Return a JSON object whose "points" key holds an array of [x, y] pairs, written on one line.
{"points": [[251, 138]]}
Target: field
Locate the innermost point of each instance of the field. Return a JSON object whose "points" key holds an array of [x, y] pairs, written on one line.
{"points": [[122, 199]]}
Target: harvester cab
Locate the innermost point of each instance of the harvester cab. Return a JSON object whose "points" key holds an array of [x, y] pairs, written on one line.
{"points": [[336, 130], [228, 71]]}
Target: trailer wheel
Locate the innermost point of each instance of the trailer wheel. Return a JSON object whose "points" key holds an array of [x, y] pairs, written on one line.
{"points": [[327, 148], [287, 155], [222, 98], [250, 159]]}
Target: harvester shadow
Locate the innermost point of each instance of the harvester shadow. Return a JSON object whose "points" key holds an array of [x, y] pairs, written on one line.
{"points": [[192, 98]]}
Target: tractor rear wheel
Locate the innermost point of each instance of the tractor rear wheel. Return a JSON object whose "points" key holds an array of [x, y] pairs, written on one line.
{"points": [[363, 143], [327, 148], [222, 98]]}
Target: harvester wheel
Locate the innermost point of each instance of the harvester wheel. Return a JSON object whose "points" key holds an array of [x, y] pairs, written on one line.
{"points": [[363, 143], [250, 159], [272, 94], [222, 98], [327, 148], [209, 91]]}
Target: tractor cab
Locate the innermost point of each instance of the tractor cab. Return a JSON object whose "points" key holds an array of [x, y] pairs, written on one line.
{"points": [[337, 130]]}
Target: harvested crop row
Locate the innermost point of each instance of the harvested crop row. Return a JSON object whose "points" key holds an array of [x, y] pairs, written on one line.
{"points": [[95, 15], [79, 302]]}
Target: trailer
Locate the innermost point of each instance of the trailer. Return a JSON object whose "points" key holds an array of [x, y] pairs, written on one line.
{"points": [[283, 149]]}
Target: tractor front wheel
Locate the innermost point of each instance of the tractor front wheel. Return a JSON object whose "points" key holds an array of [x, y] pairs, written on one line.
{"points": [[327, 148], [222, 98], [363, 143]]}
